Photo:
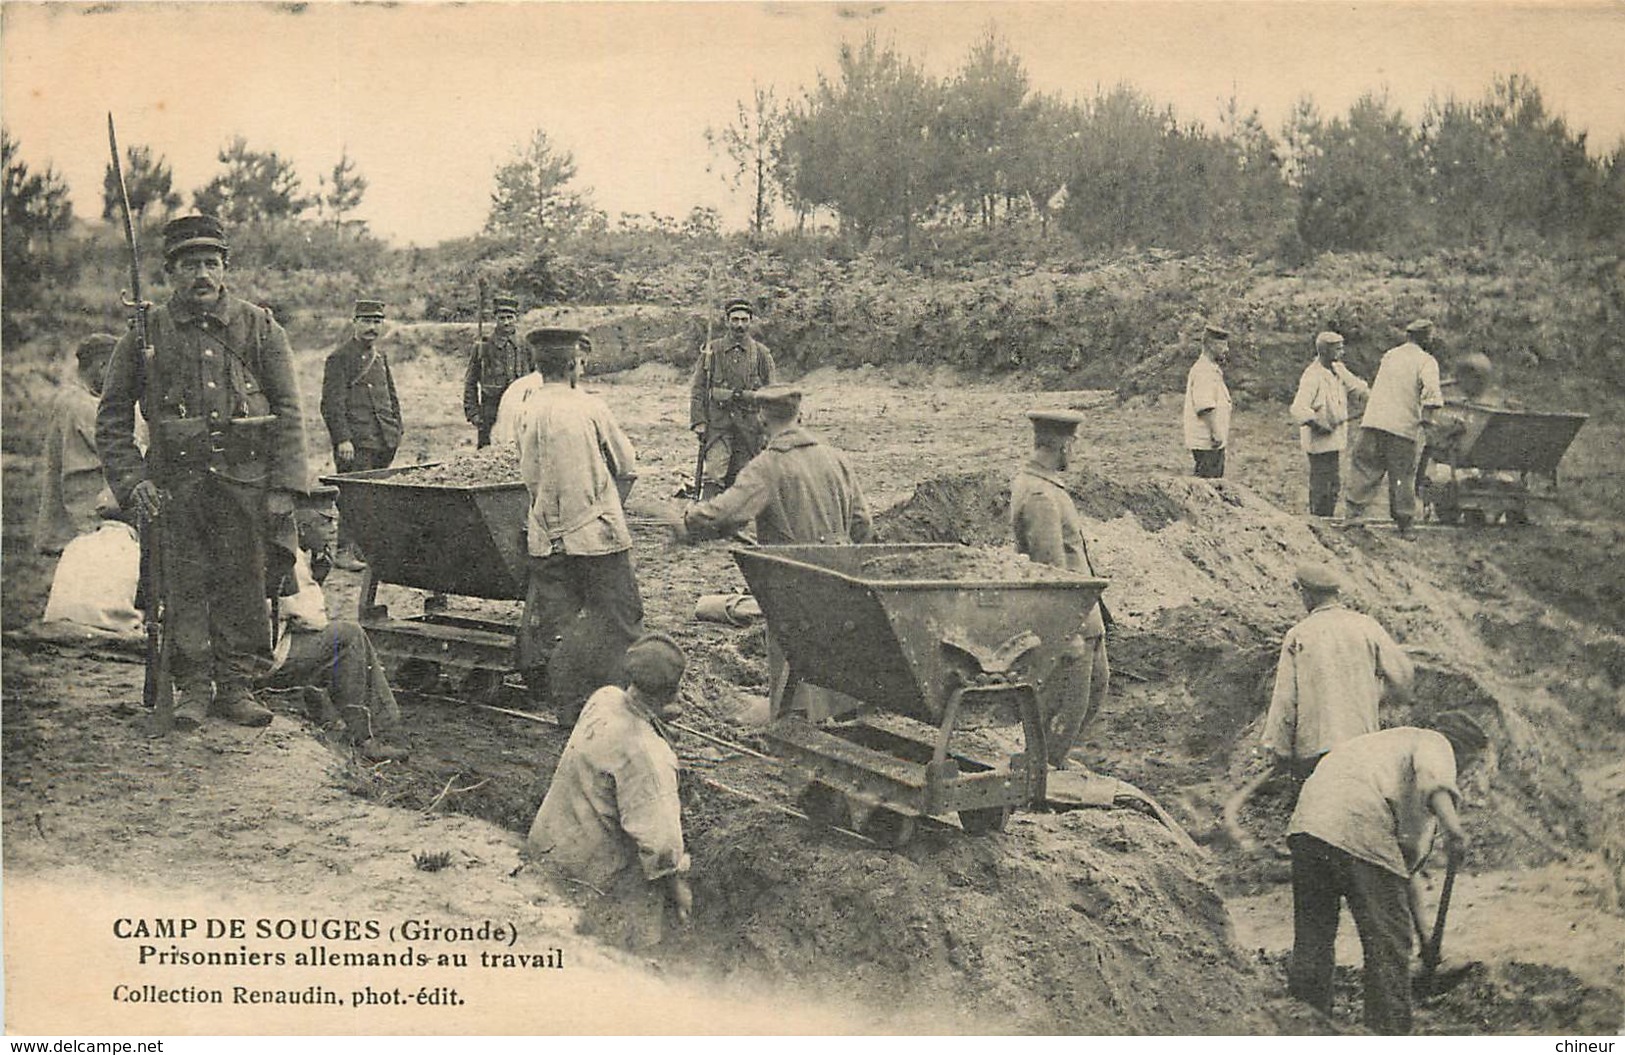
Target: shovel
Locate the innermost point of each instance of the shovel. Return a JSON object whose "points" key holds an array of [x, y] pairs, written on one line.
{"points": [[1431, 982]]}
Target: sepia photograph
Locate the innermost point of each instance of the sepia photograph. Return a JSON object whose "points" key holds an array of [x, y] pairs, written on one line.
{"points": [[726, 519]]}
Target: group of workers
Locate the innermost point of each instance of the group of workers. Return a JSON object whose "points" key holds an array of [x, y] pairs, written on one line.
{"points": [[224, 478], [1406, 419]]}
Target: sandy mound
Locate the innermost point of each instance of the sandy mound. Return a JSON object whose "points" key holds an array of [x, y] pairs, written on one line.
{"points": [[1093, 921]]}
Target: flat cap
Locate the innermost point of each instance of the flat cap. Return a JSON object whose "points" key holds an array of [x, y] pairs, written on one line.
{"points": [[369, 309], [555, 337], [1063, 421], [191, 232], [784, 397], [505, 303], [1215, 331], [96, 346], [739, 304], [1419, 326], [655, 664], [1315, 576], [1328, 338]]}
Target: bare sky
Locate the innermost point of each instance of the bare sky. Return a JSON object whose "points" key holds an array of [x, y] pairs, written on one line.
{"points": [[430, 98]]}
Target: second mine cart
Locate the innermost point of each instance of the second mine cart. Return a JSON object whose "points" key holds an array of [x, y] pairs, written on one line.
{"points": [[918, 638]]}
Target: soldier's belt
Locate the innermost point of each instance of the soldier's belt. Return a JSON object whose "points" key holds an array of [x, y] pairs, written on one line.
{"points": [[188, 443]]}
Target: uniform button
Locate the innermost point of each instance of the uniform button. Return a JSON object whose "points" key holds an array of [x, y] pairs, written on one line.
{"points": [[208, 353], [208, 384], [214, 415]]}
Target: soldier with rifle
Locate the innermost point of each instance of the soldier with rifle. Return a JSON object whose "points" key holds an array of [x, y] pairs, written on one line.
{"points": [[213, 375], [720, 408], [492, 366]]}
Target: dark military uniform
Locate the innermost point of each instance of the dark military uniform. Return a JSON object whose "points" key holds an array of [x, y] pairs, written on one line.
{"points": [[359, 404], [213, 371], [723, 375], [494, 365]]}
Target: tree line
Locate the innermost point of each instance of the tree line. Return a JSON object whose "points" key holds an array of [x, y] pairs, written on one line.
{"points": [[886, 148]]}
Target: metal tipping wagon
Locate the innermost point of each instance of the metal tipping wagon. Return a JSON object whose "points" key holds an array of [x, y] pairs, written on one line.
{"points": [[1484, 473], [462, 540], [926, 645]]}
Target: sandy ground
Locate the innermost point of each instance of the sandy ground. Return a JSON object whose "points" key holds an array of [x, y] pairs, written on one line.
{"points": [[1525, 623]]}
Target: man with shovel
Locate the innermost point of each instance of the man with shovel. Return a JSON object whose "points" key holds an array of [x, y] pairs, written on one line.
{"points": [[1364, 826], [1335, 667]]}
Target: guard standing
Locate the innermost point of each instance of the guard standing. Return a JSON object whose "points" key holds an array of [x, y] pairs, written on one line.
{"points": [[361, 409], [494, 365], [1048, 529], [227, 456], [719, 409]]}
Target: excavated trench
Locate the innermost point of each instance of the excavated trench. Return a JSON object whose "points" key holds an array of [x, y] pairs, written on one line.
{"points": [[1095, 921]]}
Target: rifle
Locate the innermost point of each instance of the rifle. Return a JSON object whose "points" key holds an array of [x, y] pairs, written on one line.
{"points": [[482, 427], [699, 458], [157, 689]]}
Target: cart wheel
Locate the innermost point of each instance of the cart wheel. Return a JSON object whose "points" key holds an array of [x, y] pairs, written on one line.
{"points": [[482, 686], [890, 828], [984, 821], [417, 675], [825, 805]]}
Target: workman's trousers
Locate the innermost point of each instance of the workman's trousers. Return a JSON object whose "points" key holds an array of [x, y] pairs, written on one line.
{"points": [[813, 702], [1209, 464], [1325, 481], [365, 458], [728, 449], [1322, 876], [581, 613], [1377, 454], [215, 539], [342, 660], [1072, 693]]}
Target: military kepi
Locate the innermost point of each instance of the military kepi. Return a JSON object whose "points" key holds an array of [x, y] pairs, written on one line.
{"points": [[1215, 331], [554, 346], [193, 232], [738, 304], [1419, 326], [504, 303], [369, 309]]}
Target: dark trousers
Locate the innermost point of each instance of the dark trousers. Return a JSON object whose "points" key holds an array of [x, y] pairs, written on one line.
{"points": [[1377, 454], [580, 615], [215, 537], [1322, 876], [1325, 481], [365, 458], [1209, 464], [728, 449], [341, 660]]}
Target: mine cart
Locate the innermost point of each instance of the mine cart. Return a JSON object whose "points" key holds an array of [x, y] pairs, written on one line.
{"points": [[923, 639], [462, 540], [1486, 472]]}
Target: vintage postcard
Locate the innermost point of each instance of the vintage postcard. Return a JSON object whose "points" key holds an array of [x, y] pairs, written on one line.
{"points": [[812, 518]]}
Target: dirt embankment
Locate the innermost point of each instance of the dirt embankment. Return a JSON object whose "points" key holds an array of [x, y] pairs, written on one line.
{"points": [[1089, 922]]}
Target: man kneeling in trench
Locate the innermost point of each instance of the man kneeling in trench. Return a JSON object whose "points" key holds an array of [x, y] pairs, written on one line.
{"points": [[611, 819], [1363, 827]]}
